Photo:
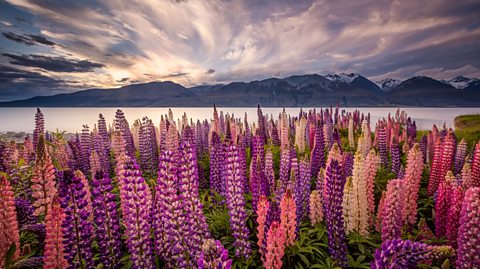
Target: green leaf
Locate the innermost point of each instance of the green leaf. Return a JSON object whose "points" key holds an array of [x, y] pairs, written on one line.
{"points": [[10, 253]]}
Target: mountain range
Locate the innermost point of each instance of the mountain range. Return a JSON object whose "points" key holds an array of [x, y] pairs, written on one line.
{"points": [[300, 90]]}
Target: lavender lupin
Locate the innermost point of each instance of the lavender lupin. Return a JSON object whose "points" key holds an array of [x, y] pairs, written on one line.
{"points": [[334, 184], [236, 203], [77, 228], [136, 211], [106, 221]]}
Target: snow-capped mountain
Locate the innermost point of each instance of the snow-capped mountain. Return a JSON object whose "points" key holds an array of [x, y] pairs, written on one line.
{"points": [[342, 77], [388, 84], [460, 82]]}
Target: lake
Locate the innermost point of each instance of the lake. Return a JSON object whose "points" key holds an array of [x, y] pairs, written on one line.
{"points": [[72, 119]]}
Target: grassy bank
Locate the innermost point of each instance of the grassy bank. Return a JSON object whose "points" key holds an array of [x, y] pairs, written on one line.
{"points": [[468, 127]]}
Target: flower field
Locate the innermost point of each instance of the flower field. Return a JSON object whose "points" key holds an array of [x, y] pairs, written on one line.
{"points": [[319, 189]]}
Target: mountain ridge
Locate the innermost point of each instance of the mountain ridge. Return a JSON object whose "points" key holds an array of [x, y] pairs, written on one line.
{"points": [[296, 90]]}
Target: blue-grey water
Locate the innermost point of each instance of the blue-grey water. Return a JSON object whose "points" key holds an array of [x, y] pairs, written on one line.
{"points": [[71, 119]]}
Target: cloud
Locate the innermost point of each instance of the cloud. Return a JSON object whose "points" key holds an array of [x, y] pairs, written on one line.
{"points": [[244, 39], [123, 80], [29, 40], [53, 63]]}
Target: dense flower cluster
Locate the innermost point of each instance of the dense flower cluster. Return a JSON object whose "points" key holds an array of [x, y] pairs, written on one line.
{"points": [[283, 192]]}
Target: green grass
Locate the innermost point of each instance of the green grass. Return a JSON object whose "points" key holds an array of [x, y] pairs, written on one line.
{"points": [[468, 127]]}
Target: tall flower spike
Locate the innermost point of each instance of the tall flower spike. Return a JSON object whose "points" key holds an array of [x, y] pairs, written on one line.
{"points": [[106, 220], [137, 212], [360, 183], [460, 155], [406, 254], [288, 217], [236, 202], [468, 235], [269, 171], [317, 157], [316, 211], [54, 249], [370, 171], [39, 127], [262, 209], [413, 176], [77, 229], [475, 181], [435, 171], [453, 215], [275, 246], [392, 210], [188, 192], [442, 205], [333, 210], [43, 184], [8, 221]]}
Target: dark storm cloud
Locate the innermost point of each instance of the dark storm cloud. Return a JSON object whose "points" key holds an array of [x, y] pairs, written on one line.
{"points": [[53, 63], [17, 83], [29, 39]]}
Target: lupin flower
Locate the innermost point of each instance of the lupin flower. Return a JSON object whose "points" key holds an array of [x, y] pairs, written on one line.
{"points": [[8, 221], [262, 209], [168, 215], [436, 168], [317, 157], [276, 241], [351, 140], [106, 220], [392, 210], [395, 154], [453, 215], [468, 232], [333, 210], [261, 124], [302, 191], [137, 210], [460, 155], [288, 217], [86, 149], [360, 184], [404, 254], [475, 181], [316, 211], [54, 248], [382, 144], [256, 180], [24, 212], [43, 184], [213, 256], [216, 164], [195, 222], [413, 176], [236, 202], [76, 227], [370, 171], [269, 171], [285, 164], [466, 176], [442, 205], [39, 127], [275, 136]]}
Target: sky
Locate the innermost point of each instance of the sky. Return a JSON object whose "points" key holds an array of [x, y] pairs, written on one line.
{"points": [[49, 47]]}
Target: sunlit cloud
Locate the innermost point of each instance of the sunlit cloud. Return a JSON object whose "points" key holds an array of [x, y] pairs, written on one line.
{"points": [[197, 42]]}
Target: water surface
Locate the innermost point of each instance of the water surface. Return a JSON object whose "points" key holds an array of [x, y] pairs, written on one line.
{"points": [[71, 119]]}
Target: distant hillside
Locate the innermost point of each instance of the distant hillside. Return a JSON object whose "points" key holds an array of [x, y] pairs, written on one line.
{"points": [[294, 91]]}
